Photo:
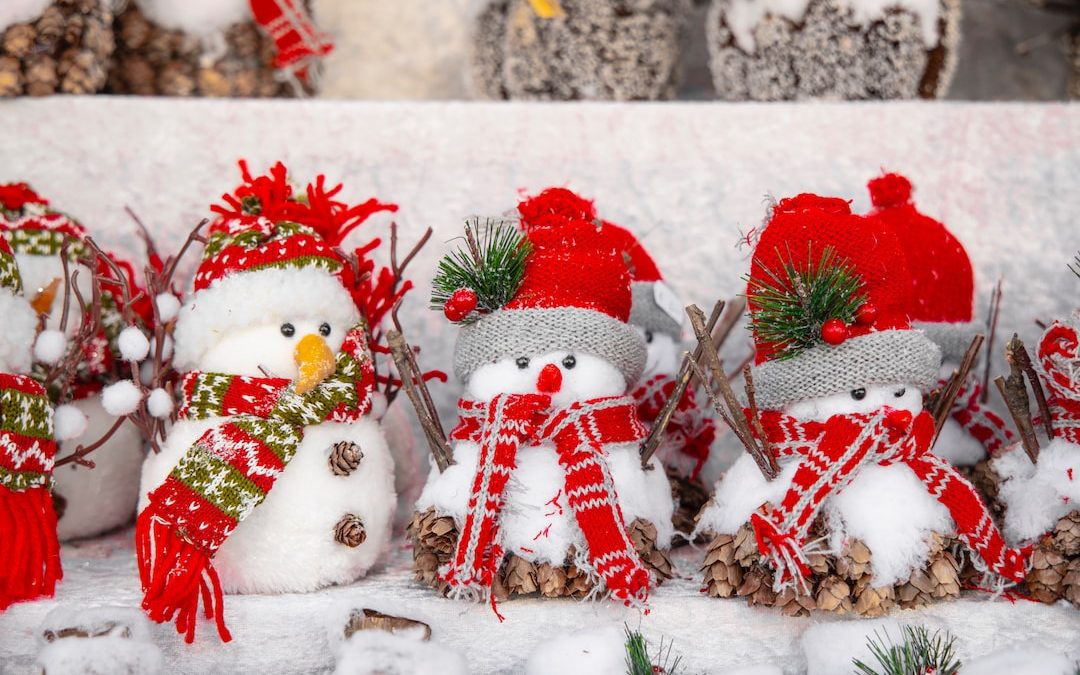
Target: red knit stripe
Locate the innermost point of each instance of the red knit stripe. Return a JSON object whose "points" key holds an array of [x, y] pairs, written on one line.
{"points": [[207, 526]]}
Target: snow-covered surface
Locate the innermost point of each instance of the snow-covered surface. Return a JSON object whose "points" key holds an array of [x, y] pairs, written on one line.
{"points": [[600, 652], [118, 642], [1037, 495], [375, 652], [1023, 661]]}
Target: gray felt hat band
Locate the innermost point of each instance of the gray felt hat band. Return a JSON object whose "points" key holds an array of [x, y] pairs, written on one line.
{"points": [[527, 332], [953, 338], [649, 316], [885, 357]]}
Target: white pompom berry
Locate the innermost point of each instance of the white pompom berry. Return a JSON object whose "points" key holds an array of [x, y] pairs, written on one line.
{"points": [[121, 398], [133, 344], [68, 422], [50, 346], [159, 404], [168, 306]]}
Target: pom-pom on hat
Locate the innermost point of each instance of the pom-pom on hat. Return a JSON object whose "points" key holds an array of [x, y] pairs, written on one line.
{"points": [[32, 227], [942, 279], [828, 297], [572, 293]]}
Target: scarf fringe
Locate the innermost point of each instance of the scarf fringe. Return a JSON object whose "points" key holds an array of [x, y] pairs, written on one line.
{"points": [[30, 556], [175, 576]]}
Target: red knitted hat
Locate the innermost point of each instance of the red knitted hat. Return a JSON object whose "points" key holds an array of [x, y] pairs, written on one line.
{"points": [[866, 339], [942, 279], [32, 227], [656, 308]]}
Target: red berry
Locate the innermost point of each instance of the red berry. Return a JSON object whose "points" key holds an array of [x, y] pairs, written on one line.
{"points": [[834, 331], [460, 304], [867, 314]]}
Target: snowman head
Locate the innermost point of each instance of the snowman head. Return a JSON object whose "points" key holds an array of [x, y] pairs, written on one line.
{"points": [[828, 298], [20, 322]]}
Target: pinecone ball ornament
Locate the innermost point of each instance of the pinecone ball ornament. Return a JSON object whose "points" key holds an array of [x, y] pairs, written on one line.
{"points": [[274, 461], [103, 497], [547, 493], [861, 513], [577, 49], [54, 46], [240, 48], [765, 50]]}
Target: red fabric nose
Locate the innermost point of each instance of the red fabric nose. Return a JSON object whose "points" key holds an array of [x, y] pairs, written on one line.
{"points": [[549, 381], [898, 420]]}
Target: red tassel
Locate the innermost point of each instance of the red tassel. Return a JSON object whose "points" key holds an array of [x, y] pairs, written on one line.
{"points": [[175, 575], [29, 549]]}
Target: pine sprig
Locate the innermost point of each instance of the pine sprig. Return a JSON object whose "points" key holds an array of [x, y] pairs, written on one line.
{"points": [[638, 660], [491, 265], [790, 306], [919, 653]]}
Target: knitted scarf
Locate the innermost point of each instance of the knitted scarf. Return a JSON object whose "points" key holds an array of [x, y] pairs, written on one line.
{"points": [[1059, 361], [834, 451], [29, 550], [228, 472], [981, 423], [579, 432], [690, 431]]}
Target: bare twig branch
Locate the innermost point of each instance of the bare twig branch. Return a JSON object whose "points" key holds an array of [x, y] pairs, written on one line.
{"points": [[81, 452], [412, 381], [991, 327], [1016, 352], [755, 419], [943, 402]]}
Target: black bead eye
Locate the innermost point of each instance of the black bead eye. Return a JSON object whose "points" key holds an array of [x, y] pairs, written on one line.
{"points": [[324, 330], [288, 330], [522, 362], [858, 394], [569, 362], [900, 392], [648, 337]]}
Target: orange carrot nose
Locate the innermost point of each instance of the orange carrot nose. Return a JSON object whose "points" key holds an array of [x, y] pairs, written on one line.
{"points": [[898, 420], [43, 299], [549, 381], [315, 361]]}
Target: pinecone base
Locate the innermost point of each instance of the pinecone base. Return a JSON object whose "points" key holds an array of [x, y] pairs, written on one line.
{"points": [[1055, 563]]}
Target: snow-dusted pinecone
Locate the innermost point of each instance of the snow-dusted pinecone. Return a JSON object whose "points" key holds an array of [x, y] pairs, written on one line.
{"points": [[613, 50], [987, 482], [831, 54], [434, 538], [940, 578], [65, 50], [1055, 563], [151, 60], [690, 497]]}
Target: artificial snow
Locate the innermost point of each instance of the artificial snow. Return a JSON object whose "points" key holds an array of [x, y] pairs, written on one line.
{"points": [[376, 652], [50, 346], [68, 422], [121, 398], [196, 17], [134, 346], [159, 403], [601, 651], [168, 306], [116, 641], [1037, 495], [830, 648], [20, 323], [1028, 660], [21, 11], [756, 669]]}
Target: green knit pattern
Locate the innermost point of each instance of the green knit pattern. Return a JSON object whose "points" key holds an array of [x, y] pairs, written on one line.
{"points": [[219, 240], [45, 242], [9, 273], [28, 416]]}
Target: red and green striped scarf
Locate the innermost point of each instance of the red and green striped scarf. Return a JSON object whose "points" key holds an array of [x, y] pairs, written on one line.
{"points": [[228, 472], [29, 550]]}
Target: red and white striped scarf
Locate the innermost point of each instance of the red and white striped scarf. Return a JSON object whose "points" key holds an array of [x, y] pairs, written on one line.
{"points": [[298, 41], [833, 453], [690, 430], [981, 423], [1059, 361], [579, 432]]}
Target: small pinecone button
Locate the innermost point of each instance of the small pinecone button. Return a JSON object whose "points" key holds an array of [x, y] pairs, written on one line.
{"points": [[350, 531], [345, 457]]}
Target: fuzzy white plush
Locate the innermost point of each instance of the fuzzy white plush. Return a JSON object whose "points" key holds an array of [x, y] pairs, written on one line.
{"points": [[376, 652], [589, 377], [261, 300], [1025, 660], [109, 651], [600, 651], [20, 324], [957, 446], [68, 422], [50, 346], [168, 306], [663, 354], [287, 543], [102, 498], [159, 403], [133, 344], [196, 17], [121, 398], [1037, 495]]}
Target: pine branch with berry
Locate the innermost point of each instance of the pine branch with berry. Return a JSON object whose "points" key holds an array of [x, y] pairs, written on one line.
{"points": [[801, 306], [483, 275], [918, 653], [640, 662]]}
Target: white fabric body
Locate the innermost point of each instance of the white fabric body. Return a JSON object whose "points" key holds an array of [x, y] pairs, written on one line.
{"points": [[1037, 495]]}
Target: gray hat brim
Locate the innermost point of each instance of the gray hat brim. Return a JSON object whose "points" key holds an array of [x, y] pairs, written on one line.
{"points": [[953, 338], [649, 316]]}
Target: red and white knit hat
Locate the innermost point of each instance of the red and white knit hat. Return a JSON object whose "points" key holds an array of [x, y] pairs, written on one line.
{"points": [[574, 296], [270, 258], [873, 343], [942, 279]]}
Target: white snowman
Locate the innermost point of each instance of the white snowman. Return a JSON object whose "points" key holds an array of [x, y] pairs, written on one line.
{"points": [[838, 381], [942, 306], [546, 451], [262, 333], [102, 498]]}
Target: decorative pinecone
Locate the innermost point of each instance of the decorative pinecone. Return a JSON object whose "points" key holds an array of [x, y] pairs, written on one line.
{"points": [[939, 578], [830, 54], [643, 534], [519, 576], [350, 531], [345, 458], [988, 483], [620, 50], [1055, 563], [690, 497], [434, 538], [151, 60], [67, 50]]}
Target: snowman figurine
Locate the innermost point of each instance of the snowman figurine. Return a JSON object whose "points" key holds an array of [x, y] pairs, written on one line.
{"points": [[547, 492], [942, 306], [275, 478], [29, 550], [859, 515]]}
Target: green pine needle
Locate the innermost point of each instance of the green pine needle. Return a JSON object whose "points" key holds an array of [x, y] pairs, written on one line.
{"points": [[638, 660], [792, 305], [918, 653], [493, 270]]}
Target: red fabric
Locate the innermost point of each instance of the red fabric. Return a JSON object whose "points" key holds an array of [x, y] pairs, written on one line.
{"points": [[983, 424], [832, 453], [642, 266], [1059, 361], [573, 264], [297, 40], [942, 279], [799, 231], [14, 196], [691, 429], [579, 433]]}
